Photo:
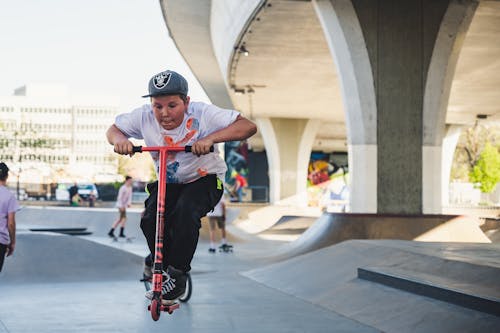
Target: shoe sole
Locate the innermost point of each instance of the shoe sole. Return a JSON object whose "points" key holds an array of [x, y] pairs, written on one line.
{"points": [[168, 302], [149, 296]]}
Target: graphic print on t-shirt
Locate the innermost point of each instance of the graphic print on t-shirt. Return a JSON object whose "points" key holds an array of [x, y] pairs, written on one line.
{"points": [[193, 126]]}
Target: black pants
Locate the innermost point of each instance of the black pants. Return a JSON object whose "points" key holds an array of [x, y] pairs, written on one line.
{"points": [[3, 251], [185, 205]]}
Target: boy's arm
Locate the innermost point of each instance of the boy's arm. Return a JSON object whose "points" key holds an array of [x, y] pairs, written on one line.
{"points": [[11, 221], [122, 145], [240, 129]]}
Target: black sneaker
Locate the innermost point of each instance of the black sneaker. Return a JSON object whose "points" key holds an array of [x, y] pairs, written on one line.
{"points": [[148, 268], [173, 286], [211, 250]]}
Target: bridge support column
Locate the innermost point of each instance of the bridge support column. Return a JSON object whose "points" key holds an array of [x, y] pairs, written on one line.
{"points": [[396, 60], [288, 145]]}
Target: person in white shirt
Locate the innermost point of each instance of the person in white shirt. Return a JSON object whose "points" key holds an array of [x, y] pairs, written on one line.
{"points": [[218, 217], [123, 201]]}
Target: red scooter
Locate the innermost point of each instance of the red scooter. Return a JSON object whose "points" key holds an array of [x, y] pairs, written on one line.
{"points": [[156, 307]]}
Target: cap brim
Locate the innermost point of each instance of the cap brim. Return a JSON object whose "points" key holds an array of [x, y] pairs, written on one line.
{"points": [[164, 94]]}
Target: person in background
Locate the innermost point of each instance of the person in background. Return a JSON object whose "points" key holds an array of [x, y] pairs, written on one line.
{"points": [[240, 184], [73, 193], [123, 201], [218, 217], [8, 208], [92, 197]]}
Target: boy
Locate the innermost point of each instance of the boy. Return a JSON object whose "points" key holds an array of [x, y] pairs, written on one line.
{"points": [[194, 180]]}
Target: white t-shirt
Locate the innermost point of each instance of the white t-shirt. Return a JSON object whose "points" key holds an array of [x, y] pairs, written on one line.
{"points": [[200, 120], [124, 196]]}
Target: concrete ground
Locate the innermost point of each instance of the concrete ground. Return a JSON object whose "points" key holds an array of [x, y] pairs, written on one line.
{"points": [[60, 283], [57, 283]]}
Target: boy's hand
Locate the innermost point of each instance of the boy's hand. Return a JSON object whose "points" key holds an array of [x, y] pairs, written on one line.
{"points": [[202, 147], [124, 147]]}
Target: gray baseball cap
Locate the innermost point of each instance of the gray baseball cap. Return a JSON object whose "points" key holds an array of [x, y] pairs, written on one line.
{"points": [[167, 83]]}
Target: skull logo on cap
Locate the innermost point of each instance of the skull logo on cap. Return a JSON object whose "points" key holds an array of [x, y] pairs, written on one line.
{"points": [[161, 80]]}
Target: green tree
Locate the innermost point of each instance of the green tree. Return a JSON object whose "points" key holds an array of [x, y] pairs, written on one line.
{"points": [[486, 172], [470, 145]]}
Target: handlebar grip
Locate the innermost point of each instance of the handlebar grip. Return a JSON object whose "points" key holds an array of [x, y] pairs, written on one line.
{"points": [[187, 149], [137, 149]]}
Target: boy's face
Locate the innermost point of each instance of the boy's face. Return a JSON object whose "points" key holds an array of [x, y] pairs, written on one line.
{"points": [[169, 110]]}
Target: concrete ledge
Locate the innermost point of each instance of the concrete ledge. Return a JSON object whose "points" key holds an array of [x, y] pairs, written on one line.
{"points": [[429, 286]]}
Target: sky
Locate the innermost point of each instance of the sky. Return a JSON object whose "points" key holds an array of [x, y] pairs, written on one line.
{"points": [[95, 47]]}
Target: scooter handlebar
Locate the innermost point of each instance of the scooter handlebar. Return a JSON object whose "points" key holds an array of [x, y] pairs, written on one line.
{"points": [[137, 149], [187, 149]]}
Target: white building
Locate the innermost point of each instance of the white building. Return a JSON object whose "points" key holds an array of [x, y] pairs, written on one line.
{"points": [[51, 136]]}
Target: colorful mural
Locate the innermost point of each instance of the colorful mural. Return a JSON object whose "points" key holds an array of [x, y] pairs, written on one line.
{"points": [[327, 181], [236, 153]]}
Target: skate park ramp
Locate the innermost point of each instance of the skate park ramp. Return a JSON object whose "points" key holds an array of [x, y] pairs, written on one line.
{"points": [[288, 228], [96, 220], [266, 217], [53, 258], [333, 228], [330, 278], [491, 228]]}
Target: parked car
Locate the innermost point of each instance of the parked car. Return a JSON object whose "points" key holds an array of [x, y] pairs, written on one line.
{"points": [[87, 190], [84, 190], [22, 193]]}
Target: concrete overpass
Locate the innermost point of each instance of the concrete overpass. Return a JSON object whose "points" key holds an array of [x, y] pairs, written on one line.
{"points": [[389, 81]]}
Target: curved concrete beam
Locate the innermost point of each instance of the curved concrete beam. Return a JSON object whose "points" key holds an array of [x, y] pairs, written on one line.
{"points": [[194, 42], [347, 45], [303, 156], [447, 46], [449, 41], [273, 157], [348, 48], [227, 22], [450, 142]]}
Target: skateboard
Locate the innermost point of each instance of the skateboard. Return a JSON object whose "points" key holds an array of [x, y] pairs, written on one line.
{"points": [[226, 248], [127, 239]]}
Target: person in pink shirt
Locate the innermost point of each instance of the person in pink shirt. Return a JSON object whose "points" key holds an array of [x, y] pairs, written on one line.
{"points": [[8, 209], [123, 201]]}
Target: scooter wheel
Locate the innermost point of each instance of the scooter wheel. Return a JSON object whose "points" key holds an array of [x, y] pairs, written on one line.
{"points": [[155, 309]]}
